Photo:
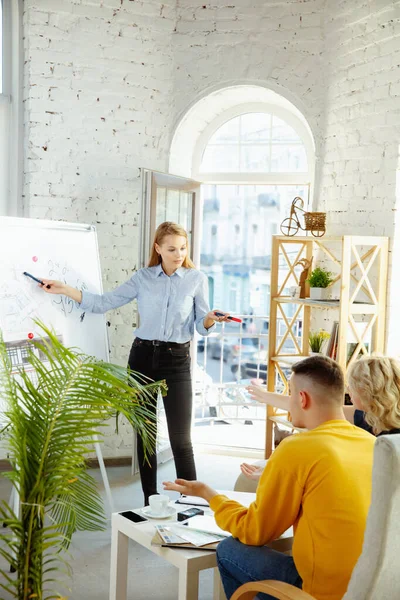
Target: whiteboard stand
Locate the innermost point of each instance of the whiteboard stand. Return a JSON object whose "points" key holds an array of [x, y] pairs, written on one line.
{"points": [[103, 474], [14, 501], [134, 463]]}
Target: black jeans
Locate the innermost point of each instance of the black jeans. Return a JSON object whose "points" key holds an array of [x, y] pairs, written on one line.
{"points": [[170, 362]]}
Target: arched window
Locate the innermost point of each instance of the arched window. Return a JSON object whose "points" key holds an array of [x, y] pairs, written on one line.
{"points": [[252, 160], [255, 143], [252, 150]]}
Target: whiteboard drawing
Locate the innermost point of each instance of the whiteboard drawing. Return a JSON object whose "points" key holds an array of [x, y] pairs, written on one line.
{"points": [[17, 306], [62, 271], [66, 252]]}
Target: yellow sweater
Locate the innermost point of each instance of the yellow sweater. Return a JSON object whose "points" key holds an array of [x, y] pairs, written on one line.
{"points": [[320, 482]]}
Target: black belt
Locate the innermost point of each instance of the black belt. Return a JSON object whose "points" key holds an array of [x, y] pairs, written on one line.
{"points": [[141, 342]]}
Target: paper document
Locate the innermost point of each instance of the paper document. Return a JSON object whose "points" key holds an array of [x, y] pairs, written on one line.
{"points": [[168, 536], [197, 538], [245, 498], [206, 524]]}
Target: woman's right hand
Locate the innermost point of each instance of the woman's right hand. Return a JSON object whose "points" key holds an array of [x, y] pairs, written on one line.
{"points": [[51, 286], [258, 392]]}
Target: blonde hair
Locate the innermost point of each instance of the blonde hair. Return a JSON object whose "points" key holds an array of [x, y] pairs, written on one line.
{"points": [[376, 380], [168, 228]]}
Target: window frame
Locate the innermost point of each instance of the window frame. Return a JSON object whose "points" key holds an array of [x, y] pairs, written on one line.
{"points": [[6, 50], [301, 178], [11, 112]]}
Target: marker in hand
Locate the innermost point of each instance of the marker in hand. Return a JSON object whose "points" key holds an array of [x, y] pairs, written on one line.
{"points": [[218, 314], [36, 279]]}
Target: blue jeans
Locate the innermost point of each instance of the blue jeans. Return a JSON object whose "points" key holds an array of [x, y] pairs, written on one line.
{"points": [[239, 563]]}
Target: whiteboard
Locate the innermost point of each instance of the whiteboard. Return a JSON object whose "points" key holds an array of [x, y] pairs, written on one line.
{"points": [[52, 250]]}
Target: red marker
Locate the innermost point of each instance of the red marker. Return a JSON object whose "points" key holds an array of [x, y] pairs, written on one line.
{"points": [[30, 336], [218, 314], [34, 258]]}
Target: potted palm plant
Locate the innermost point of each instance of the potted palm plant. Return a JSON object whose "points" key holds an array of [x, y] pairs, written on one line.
{"points": [[50, 433], [319, 281]]}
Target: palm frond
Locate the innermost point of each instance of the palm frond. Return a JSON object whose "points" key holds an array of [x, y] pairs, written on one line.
{"points": [[53, 424]]}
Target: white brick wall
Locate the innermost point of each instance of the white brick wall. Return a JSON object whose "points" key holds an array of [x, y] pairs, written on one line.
{"points": [[248, 41], [362, 105], [97, 108], [107, 80], [362, 135], [98, 88]]}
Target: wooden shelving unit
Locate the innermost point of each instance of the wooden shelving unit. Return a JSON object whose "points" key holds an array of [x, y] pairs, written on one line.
{"points": [[360, 264]]}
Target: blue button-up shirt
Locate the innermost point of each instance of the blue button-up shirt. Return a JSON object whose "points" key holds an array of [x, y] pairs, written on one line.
{"points": [[169, 307]]}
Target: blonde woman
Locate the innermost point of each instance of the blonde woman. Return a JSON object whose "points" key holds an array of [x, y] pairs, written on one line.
{"points": [[374, 388], [172, 297]]}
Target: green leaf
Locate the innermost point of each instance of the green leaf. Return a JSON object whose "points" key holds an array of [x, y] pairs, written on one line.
{"points": [[52, 424]]}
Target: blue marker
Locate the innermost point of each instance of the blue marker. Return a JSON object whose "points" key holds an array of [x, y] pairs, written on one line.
{"points": [[36, 279]]}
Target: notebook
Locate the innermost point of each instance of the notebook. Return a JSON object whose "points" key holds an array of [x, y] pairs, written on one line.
{"points": [[158, 540]]}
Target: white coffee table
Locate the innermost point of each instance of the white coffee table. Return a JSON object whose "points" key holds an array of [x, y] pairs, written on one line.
{"points": [[188, 562]]}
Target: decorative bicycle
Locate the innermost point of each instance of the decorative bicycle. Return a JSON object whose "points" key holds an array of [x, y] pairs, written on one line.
{"points": [[313, 221]]}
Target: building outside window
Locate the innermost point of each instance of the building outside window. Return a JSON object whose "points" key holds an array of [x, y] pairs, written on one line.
{"points": [[252, 151], [251, 166]]}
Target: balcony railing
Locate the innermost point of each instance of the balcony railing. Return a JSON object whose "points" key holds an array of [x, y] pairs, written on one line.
{"points": [[227, 361]]}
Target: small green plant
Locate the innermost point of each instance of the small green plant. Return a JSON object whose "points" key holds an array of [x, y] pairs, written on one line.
{"points": [[317, 339], [320, 278]]}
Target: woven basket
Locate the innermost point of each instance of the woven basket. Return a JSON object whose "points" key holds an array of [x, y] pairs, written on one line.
{"points": [[315, 221]]}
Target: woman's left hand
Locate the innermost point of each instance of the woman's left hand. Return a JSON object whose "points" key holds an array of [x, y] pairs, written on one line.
{"points": [[214, 317]]}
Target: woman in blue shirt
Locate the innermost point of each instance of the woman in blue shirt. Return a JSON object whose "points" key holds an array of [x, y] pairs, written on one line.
{"points": [[172, 297]]}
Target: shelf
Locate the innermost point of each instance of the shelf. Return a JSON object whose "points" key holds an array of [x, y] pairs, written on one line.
{"points": [[360, 267], [307, 238], [355, 308], [366, 240], [288, 360]]}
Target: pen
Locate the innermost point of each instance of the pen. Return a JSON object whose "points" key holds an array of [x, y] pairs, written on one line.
{"points": [[35, 279], [218, 314]]}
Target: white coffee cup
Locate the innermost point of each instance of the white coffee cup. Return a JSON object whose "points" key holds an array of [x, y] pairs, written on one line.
{"points": [[159, 503]]}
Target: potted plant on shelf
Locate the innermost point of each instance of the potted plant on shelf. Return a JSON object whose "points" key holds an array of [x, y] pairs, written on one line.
{"points": [[319, 281], [317, 339], [51, 424]]}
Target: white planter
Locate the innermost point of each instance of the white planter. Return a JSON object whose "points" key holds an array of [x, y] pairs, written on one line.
{"points": [[319, 293]]}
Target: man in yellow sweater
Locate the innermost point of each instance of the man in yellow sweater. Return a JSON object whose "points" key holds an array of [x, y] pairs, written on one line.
{"points": [[318, 481]]}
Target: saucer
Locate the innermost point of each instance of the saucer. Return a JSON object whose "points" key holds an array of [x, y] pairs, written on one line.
{"points": [[170, 510]]}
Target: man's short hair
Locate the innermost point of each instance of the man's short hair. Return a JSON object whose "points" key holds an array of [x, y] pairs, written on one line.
{"points": [[322, 371]]}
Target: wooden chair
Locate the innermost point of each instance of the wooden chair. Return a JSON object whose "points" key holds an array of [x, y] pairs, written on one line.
{"points": [[376, 574]]}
